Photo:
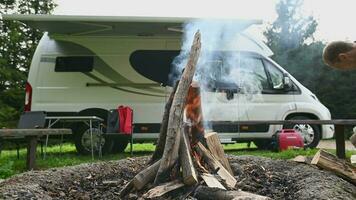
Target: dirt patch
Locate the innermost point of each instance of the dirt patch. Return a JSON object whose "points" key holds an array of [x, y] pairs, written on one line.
{"points": [[278, 179]]}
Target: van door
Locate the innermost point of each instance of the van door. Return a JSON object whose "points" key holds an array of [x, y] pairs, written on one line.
{"points": [[235, 97], [273, 101], [252, 80]]}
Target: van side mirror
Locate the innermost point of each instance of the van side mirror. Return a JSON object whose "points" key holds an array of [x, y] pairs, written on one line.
{"points": [[287, 83]]}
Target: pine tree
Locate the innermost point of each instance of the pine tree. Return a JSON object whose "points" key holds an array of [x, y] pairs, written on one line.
{"points": [[17, 45]]}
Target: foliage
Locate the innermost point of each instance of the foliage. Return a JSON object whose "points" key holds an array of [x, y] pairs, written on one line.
{"points": [[6, 169], [291, 39], [18, 44]]}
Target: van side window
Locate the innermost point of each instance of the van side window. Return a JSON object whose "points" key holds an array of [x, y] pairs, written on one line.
{"points": [[155, 65], [74, 64], [275, 74], [252, 68]]}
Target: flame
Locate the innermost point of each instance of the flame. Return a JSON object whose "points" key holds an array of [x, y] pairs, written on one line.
{"points": [[193, 113], [198, 159]]}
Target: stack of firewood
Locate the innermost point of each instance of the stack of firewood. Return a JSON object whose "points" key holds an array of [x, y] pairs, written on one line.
{"points": [[186, 155]]}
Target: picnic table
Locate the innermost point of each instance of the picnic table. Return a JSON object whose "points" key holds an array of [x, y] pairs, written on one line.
{"points": [[31, 136], [90, 121]]}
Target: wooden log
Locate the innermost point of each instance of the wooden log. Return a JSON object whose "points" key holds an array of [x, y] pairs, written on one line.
{"points": [[207, 193], [31, 152], [163, 129], [188, 170], [353, 159], [145, 176], [127, 189], [170, 154], [216, 165], [340, 167], [160, 190], [353, 138], [300, 159], [211, 181], [217, 150]]}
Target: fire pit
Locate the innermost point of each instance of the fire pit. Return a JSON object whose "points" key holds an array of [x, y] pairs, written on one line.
{"points": [[278, 179]]}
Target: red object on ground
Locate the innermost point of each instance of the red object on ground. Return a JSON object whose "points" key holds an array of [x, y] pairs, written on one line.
{"points": [[289, 138], [125, 120]]}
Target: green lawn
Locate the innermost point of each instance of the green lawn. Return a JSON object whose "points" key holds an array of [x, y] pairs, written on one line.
{"points": [[10, 165]]}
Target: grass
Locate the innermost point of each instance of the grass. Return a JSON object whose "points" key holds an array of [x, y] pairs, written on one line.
{"points": [[10, 165]]}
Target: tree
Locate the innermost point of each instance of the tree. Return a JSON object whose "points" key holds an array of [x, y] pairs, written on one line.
{"points": [[291, 39], [291, 29], [18, 43]]}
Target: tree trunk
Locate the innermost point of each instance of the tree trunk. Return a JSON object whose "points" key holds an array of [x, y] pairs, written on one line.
{"points": [[163, 130], [170, 154]]}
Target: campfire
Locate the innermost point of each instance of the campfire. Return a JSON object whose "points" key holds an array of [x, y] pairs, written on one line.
{"points": [[187, 156]]}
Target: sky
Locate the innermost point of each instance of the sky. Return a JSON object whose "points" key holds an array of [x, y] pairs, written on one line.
{"points": [[336, 18]]}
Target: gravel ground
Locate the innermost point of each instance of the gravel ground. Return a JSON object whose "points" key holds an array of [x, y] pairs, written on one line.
{"points": [[278, 179], [331, 144]]}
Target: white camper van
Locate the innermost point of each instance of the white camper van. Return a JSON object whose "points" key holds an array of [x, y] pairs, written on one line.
{"points": [[87, 65]]}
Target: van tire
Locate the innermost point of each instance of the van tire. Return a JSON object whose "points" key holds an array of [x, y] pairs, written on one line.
{"points": [[83, 128], [306, 129], [84, 149]]}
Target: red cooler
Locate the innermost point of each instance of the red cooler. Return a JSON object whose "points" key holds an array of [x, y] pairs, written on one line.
{"points": [[289, 138]]}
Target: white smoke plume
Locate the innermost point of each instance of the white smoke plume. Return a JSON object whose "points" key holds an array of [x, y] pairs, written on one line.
{"points": [[226, 78]]}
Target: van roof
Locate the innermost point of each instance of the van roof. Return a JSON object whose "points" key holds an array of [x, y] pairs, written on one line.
{"points": [[78, 25], [109, 25]]}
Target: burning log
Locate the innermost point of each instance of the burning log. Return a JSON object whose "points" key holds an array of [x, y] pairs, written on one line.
{"points": [[170, 154], [193, 116], [215, 165], [216, 149], [189, 155]]}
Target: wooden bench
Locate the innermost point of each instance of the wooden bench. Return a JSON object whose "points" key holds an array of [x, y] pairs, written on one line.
{"points": [[31, 136]]}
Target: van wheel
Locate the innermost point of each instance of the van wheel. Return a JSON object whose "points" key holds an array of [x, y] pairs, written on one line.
{"points": [[264, 144], [120, 144], [82, 140], [309, 132]]}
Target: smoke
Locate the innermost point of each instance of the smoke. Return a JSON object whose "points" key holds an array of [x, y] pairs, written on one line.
{"points": [[226, 76]]}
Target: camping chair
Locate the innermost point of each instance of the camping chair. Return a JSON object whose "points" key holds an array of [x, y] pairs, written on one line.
{"points": [[114, 120]]}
